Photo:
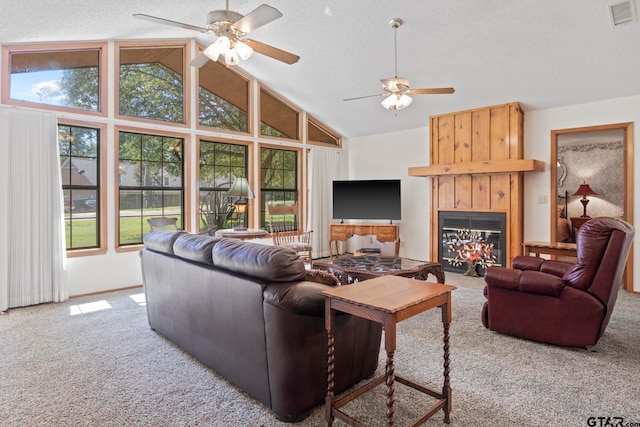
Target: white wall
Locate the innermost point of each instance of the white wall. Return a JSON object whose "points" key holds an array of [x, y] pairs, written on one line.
{"points": [[390, 155], [538, 127], [99, 273]]}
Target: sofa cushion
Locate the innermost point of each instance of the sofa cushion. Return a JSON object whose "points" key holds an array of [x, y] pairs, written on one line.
{"points": [[195, 247], [269, 263], [161, 240]]}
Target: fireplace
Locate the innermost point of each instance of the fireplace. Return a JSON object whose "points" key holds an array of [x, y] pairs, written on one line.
{"points": [[491, 226]]}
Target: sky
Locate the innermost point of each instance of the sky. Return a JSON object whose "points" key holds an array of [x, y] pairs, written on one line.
{"points": [[25, 86]]}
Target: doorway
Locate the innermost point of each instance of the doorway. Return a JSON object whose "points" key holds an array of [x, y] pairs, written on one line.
{"points": [[598, 142]]}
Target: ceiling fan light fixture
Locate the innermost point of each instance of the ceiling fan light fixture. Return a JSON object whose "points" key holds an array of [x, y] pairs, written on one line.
{"points": [[231, 57], [243, 49], [403, 101], [220, 47], [389, 102], [396, 101]]}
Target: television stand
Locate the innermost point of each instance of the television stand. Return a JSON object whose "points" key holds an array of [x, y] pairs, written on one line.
{"points": [[383, 233]]}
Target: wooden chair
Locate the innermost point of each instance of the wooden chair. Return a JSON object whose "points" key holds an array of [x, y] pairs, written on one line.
{"points": [[286, 232], [163, 223]]}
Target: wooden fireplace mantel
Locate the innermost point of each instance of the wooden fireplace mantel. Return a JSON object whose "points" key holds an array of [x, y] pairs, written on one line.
{"points": [[477, 164], [479, 168]]}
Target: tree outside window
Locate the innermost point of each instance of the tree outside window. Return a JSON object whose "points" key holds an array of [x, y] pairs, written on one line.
{"points": [[151, 83]]}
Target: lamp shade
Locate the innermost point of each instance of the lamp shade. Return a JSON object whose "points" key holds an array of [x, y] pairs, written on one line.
{"points": [[585, 190], [240, 188]]}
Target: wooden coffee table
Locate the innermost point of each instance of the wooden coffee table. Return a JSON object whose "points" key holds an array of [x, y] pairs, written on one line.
{"points": [[352, 269], [387, 300]]}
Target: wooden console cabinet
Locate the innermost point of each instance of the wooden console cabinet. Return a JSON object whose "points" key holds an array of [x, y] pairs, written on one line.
{"points": [[382, 232]]}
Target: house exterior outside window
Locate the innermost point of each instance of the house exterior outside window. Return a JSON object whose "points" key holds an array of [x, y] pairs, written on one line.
{"points": [[278, 179], [150, 169], [80, 168]]}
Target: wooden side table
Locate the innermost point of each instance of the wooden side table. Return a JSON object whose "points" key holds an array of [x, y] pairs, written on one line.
{"points": [[387, 300], [558, 249]]}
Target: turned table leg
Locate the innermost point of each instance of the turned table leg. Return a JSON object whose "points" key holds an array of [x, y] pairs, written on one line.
{"points": [[446, 388]]}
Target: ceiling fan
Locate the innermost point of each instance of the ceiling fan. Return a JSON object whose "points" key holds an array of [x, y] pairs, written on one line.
{"points": [[231, 27], [397, 89]]}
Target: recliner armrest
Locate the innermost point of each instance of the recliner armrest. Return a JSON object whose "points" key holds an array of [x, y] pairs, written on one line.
{"points": [[537, 282], [502, 277], [525, 262], [528, 281], [557, 268]]}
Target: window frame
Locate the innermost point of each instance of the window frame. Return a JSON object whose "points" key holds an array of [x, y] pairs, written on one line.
{"points": [[312, 120], [248, 169], [101, 212], [300, 192], [186, 79], [186, 200], [7, 50], [258, 131]]}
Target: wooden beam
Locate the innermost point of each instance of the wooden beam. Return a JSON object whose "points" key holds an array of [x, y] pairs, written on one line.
{"points": [[479, 168]]}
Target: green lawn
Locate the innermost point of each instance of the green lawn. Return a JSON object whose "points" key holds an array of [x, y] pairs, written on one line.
{"points": [[84, 231]]}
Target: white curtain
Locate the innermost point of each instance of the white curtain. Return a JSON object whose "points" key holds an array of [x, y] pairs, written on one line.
{"points": [[32, 235], [325, 166]]}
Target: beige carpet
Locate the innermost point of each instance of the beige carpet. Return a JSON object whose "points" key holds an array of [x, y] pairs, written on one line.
{"points": [[94, 361]]}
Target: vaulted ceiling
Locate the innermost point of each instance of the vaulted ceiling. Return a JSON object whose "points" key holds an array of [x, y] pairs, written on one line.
{"points": [[542, 53]]}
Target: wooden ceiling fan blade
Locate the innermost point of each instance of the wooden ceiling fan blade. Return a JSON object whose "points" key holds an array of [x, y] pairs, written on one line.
{"points": [[169, 22], [432, 91], [272, 52], [258, 17], [366, 96], [199, 60]]}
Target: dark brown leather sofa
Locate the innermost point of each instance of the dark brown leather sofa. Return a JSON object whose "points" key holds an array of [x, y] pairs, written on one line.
{"points": [[559, 302], [246, 311]]}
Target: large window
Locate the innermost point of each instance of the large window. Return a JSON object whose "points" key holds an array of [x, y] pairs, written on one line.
{"points": [[223, 98], [277, 118], [220, 164], [80, 165], [151, 83], [278, 178], [150, 182], [62, 78], [154, 104]]}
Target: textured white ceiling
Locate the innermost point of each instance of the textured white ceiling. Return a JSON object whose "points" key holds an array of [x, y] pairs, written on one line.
{"points": [[542, 53]]}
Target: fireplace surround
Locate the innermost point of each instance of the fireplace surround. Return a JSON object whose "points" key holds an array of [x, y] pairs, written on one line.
{"points": [[491, 226]]}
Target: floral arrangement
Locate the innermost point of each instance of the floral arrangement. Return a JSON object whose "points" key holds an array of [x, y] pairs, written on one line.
{"points": [[470, 247]]}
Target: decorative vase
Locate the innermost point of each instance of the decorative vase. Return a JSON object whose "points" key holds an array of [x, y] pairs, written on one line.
{"points": [[471, 269]]}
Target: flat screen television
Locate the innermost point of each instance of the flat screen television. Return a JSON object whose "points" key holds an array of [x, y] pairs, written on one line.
{"points": [[371, 199]]}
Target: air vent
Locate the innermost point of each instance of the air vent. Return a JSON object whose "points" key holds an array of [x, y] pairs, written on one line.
{"points": [[622, 13]]}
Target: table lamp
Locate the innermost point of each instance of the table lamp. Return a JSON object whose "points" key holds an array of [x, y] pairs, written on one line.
{"points": [[240, 189], [584, 190]]}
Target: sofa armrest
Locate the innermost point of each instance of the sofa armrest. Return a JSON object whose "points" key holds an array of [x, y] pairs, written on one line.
{"points": [[528, 281], [301, 297]]}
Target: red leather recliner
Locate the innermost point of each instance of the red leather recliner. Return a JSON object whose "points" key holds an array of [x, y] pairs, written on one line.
{"points": [[558, 302]]}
